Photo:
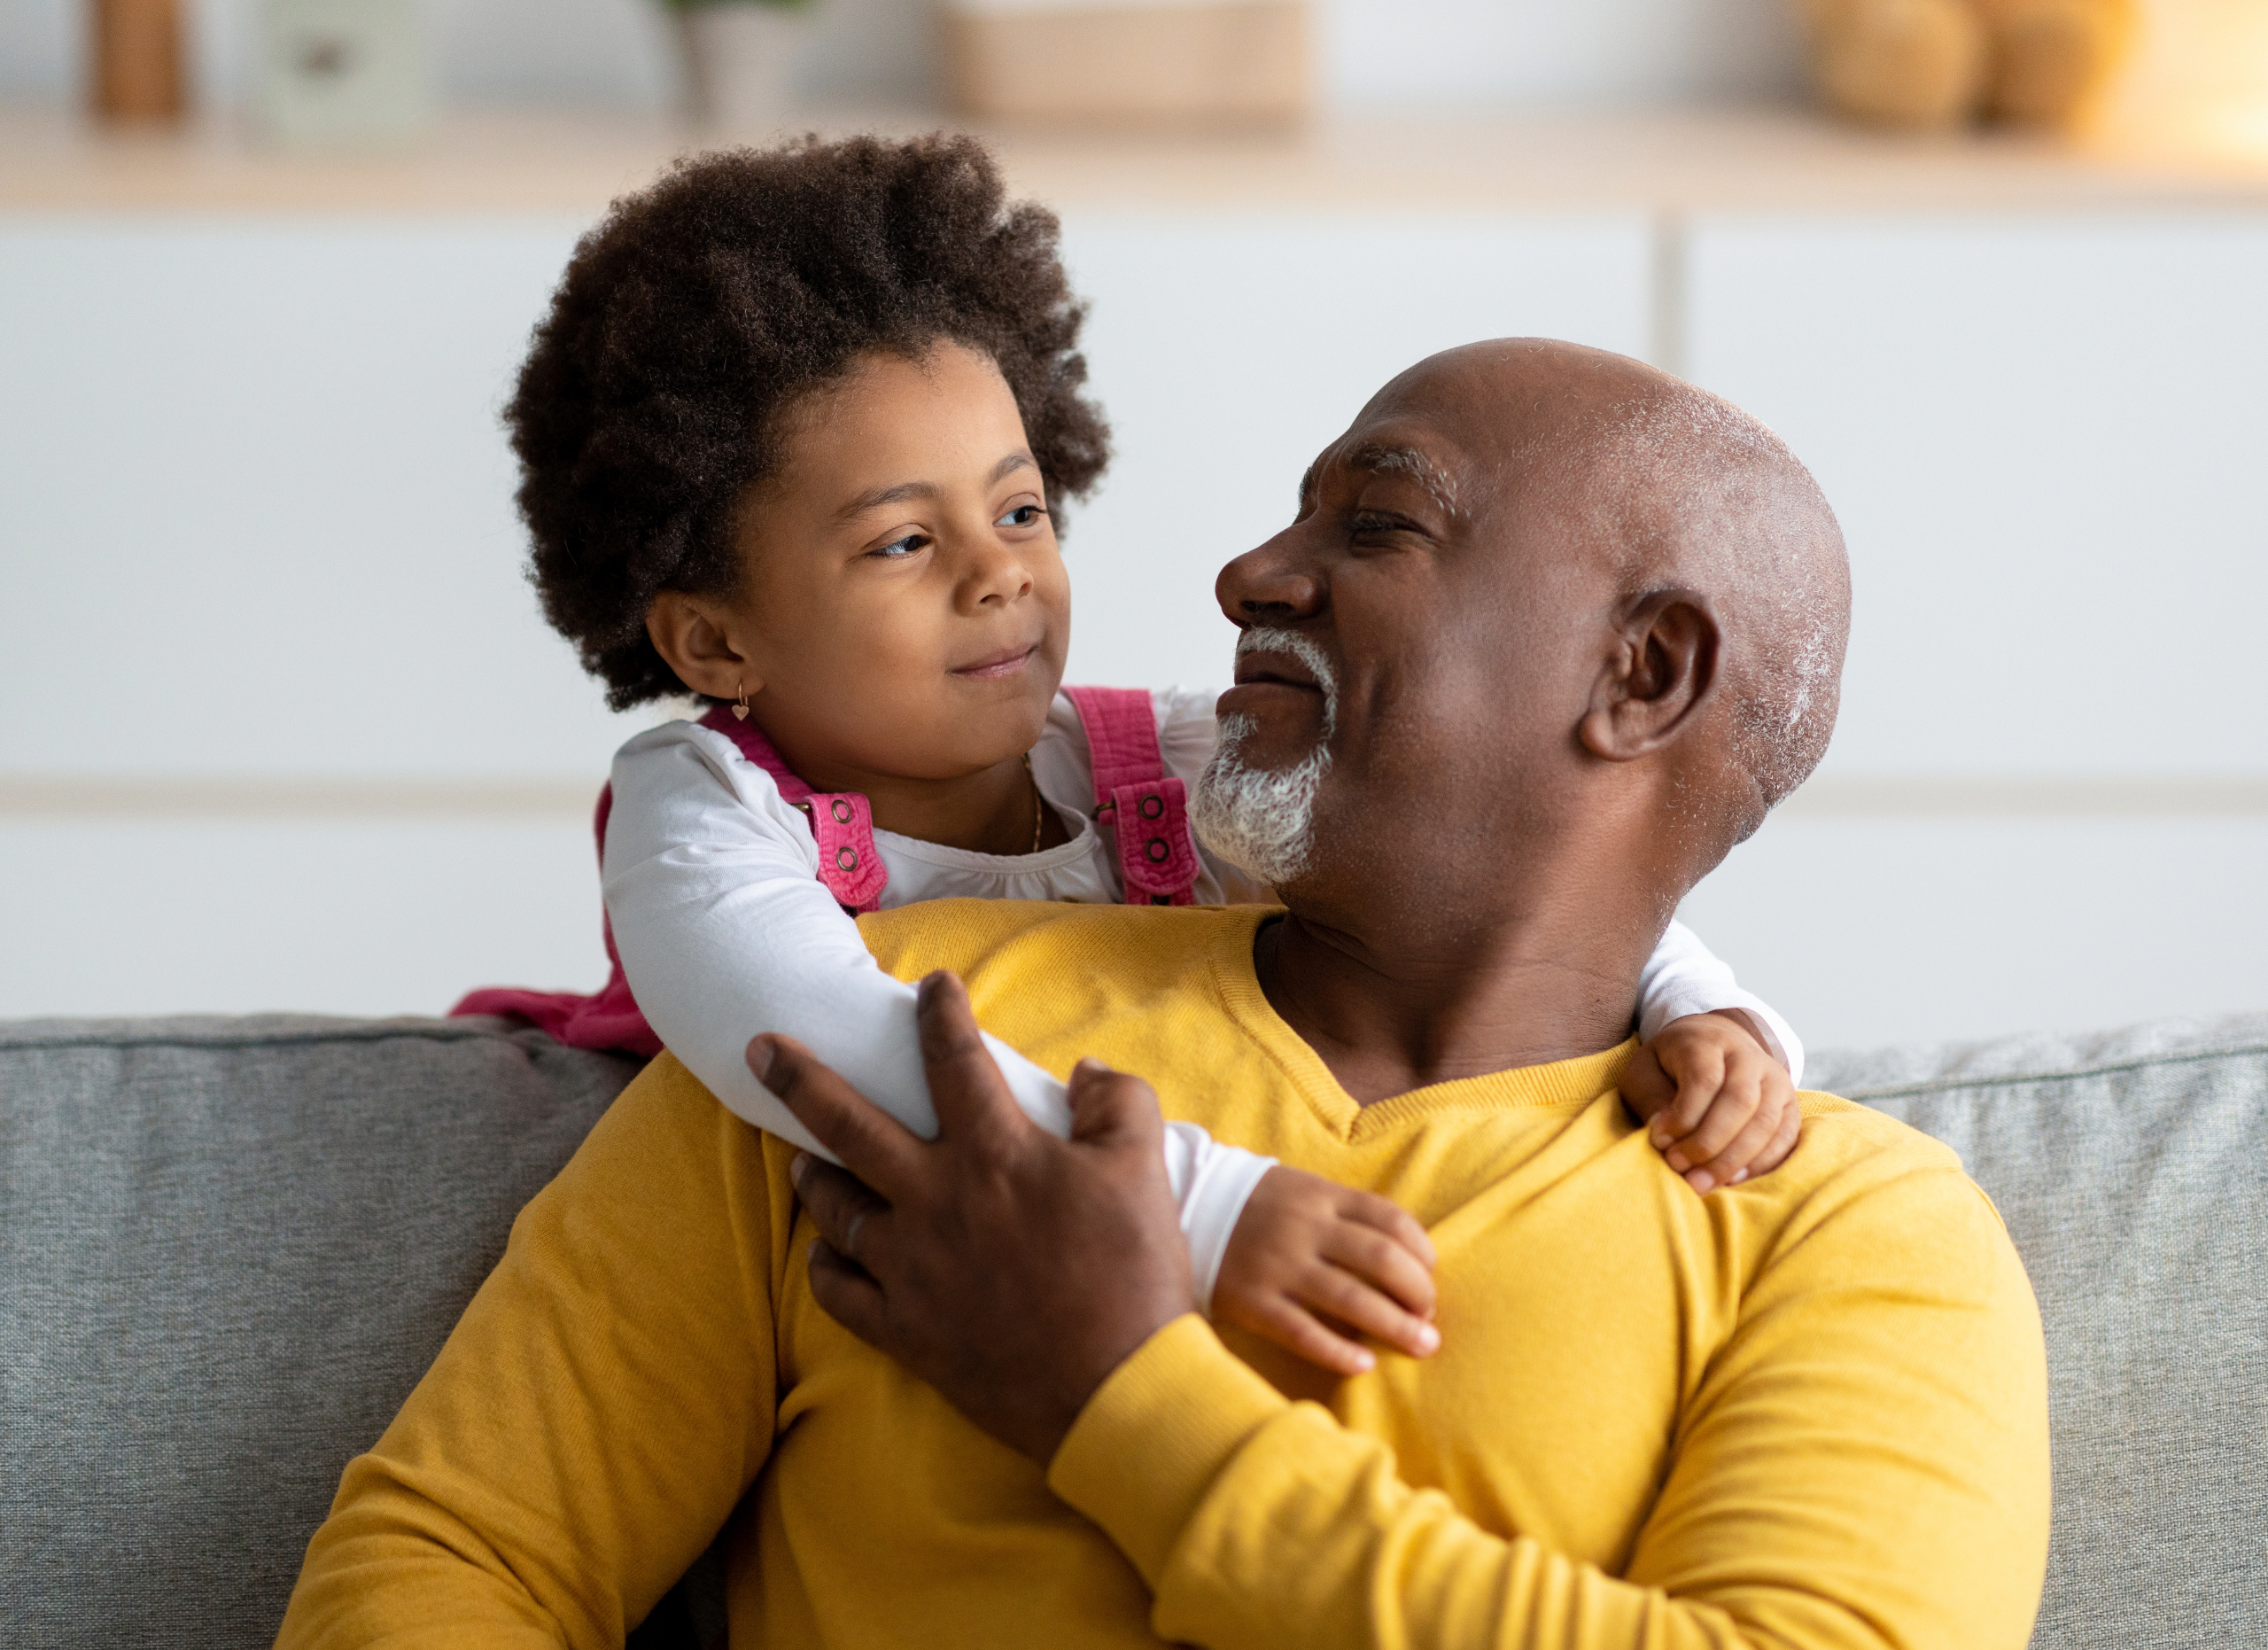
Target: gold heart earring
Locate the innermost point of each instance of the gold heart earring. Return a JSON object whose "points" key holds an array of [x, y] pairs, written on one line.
{"points": [[740, 710]]}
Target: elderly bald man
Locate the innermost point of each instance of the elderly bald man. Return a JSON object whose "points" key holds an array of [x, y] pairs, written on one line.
{"points": [[1550, 634]]}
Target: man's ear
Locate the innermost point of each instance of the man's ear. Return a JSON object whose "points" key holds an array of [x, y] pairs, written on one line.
{"points": [[692, 635], [1661, 666]]}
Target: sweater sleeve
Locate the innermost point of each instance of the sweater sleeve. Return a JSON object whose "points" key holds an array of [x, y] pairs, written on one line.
{"points": [[1864, 1465], [603, 1404], [725, 932], [1685, 976]]}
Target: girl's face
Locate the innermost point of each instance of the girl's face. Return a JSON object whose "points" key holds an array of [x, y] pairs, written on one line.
{"points": [[903, 612]]}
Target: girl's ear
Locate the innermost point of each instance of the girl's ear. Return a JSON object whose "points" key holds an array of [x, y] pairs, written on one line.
{"points": [[695, 637], [1662, 666]]}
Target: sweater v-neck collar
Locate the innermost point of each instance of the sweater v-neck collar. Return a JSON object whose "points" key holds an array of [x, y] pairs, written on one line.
{"points": [[1565, 1084]]}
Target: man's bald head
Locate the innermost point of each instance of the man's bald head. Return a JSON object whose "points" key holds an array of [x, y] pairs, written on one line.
{"points": [[1679, 491], [1536, 595]]}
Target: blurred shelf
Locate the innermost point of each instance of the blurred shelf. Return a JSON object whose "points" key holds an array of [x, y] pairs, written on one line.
{"points": [[1666, 162]]}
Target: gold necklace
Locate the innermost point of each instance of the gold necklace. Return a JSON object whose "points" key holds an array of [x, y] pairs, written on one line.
{"points": [[1038, 818]]}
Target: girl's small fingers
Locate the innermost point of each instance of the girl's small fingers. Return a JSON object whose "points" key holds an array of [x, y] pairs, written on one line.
{"points": [[1357, 1305], [1740, 1155], [1385, 1215], [1729, 1114], [1791, 1128], [1697, 1088], [1302, 1333], [1645, 1088], [1382, 1264]]}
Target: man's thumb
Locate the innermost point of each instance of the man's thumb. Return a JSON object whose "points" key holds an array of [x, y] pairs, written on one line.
{"points": [[1110, 1107]]}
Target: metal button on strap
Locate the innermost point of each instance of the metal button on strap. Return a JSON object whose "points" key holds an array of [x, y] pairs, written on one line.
{"points": [[1157, 851], [1152, 806], [846, 859], [841, 810]]}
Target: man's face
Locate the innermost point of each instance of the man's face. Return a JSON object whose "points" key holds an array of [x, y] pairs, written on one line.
{"points": [[1418, 644]]}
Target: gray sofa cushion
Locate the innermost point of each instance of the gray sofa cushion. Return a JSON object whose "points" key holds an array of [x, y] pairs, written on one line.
{"points": [[227, 1250], [2132, 1169]]}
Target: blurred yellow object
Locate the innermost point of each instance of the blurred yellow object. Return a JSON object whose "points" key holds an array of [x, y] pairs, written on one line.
{"points": [[1919, 64], [1932, 64], [1072, 62], [137, 60], [2053, 60]]}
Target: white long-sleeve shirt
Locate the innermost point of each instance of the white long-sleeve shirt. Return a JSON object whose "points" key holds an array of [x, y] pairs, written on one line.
{"points": [[725, 932]]}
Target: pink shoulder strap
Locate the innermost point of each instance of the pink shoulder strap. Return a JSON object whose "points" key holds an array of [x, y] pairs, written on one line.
{"points": [[1147, 809], [842, 821]]}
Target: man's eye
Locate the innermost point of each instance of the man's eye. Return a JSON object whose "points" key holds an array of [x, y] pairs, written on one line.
{"points": [[1023, 516], [897, 549]]}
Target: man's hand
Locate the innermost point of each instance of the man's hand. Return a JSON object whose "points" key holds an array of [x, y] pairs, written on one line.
{"points": [[1010, 1270], [1722, 1107]]}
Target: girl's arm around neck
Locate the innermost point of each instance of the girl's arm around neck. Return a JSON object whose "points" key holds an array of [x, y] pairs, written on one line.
{"points": [[725, 932]]}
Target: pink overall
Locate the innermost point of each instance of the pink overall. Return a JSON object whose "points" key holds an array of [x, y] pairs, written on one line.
{"points": [[1145, 808]]}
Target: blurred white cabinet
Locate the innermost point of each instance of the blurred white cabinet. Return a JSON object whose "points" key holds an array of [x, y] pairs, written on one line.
{"points": [[2046, 439], [2047, 442], [1228, 348], [256, 506], [256, 524]]}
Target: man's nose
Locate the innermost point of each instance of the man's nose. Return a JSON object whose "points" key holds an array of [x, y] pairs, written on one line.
{"points": [[1273, 584]]}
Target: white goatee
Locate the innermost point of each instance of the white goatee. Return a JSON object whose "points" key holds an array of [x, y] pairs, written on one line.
{"points": [[1260, 821]]}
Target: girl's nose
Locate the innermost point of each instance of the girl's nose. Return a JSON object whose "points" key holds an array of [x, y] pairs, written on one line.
{"points": [[996, 577]]}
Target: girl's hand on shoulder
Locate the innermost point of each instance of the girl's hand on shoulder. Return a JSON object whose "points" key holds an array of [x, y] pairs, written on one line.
{"points": [[1315, 1266], [1722, 1110]]}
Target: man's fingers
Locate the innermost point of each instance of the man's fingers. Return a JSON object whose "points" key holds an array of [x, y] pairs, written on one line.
{"points": [[851, 1218], [846, 1293], [1107, 1106], [872, 1144], [1383, 1263], [965, 1081]]}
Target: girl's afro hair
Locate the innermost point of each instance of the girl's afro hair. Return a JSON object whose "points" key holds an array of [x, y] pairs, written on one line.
{"points": [[702, 308]]}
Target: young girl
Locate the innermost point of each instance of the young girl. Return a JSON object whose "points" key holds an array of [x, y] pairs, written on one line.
{"points": [[791, 435]]}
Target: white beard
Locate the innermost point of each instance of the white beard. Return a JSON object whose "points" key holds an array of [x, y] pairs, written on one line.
{"points": [[1261, 821]]}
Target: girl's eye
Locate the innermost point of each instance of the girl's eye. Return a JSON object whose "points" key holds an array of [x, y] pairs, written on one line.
{"points": [[1023, 516], [898, 550]]}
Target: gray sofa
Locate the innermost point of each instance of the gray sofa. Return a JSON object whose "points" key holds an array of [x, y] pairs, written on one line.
{"points": [[229, 1247]]}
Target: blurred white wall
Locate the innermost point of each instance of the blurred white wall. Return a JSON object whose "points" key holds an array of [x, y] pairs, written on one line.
{"points": [[617, 52], [306, 742]]}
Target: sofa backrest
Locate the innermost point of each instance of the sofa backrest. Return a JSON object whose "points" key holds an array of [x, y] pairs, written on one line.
{"points": [[2132, 1169], [228, 1250], [229, 1247]]}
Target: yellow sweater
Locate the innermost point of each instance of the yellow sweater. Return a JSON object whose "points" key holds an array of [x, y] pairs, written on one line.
{"points": [[1808, 1412]]}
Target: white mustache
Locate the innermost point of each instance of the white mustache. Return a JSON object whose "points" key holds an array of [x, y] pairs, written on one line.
{"points": [[1262, 640]]}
